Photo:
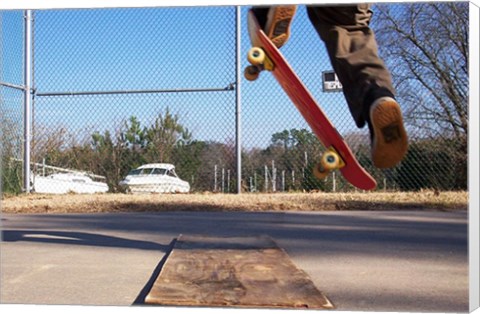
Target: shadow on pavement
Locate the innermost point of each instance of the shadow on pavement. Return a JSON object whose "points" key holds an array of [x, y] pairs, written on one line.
{"points": [[79, 238]]}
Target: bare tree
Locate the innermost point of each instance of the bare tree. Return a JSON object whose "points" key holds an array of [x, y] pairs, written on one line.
{"points": [[426, 48]]}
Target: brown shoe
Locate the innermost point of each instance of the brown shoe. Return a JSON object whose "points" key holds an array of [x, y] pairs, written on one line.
{"points": [[278, 23], [389, 138]]}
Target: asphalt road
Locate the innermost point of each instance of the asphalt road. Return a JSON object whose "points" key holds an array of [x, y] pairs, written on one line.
{"points": [[363, 261]]}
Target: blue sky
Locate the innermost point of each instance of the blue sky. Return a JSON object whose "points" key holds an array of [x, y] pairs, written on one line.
{"points": [[163, 48]]}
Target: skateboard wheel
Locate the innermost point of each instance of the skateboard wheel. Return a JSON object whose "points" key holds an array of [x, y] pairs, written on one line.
{"points": [[256, 56], [319, 172], [330, 161], [251, 73]]}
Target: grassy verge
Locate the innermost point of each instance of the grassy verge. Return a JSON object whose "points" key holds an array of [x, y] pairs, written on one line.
{"points": [[72, 203]]}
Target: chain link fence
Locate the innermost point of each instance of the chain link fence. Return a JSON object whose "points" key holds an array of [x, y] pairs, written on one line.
{"points": [[115, 89], [11, 99]]}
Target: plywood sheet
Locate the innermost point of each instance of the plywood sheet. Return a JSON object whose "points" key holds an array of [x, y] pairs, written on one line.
{"points": [[236, 272]]}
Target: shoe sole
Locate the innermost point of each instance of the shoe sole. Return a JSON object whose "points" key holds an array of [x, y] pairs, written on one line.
{"points": [[278, 25], [390, 138]]}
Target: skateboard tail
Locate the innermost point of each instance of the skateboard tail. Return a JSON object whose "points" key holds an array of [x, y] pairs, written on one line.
{"points": [[353, 178]]}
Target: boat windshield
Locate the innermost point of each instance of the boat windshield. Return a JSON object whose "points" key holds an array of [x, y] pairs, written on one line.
{"points": [[135, 172], [147, 171], [159, 171]]}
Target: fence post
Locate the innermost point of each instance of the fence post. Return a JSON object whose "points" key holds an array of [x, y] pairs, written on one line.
{"points": [[215, 179], [238, 112], [27, 103]]}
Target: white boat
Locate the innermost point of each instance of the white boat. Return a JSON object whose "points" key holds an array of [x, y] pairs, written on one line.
{"points": [[155, 178], [62, 183]]}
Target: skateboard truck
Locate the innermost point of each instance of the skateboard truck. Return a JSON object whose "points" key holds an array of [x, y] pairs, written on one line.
{"points": [[330, 161], [259, 61]]}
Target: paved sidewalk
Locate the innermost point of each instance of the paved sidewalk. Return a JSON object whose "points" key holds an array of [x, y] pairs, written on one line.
{"points": [[368, 261]]}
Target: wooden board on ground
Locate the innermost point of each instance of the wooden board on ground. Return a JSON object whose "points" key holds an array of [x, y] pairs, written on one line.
{"points": [[233, 272]]}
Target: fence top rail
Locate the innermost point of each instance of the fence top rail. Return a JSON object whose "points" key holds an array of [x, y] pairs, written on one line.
{"points": [[230, 87]]}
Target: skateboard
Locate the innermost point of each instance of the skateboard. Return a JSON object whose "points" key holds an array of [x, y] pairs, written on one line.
{"points": [[264, 55]]}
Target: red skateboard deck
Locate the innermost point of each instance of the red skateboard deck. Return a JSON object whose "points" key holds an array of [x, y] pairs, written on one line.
{"points": [[308, 107]]}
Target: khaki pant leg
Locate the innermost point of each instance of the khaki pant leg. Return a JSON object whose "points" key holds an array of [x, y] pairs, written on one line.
{"points": [[353, 53]]}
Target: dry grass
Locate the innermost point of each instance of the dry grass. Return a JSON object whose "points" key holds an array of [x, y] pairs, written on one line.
{"points": [[72, 203]]}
